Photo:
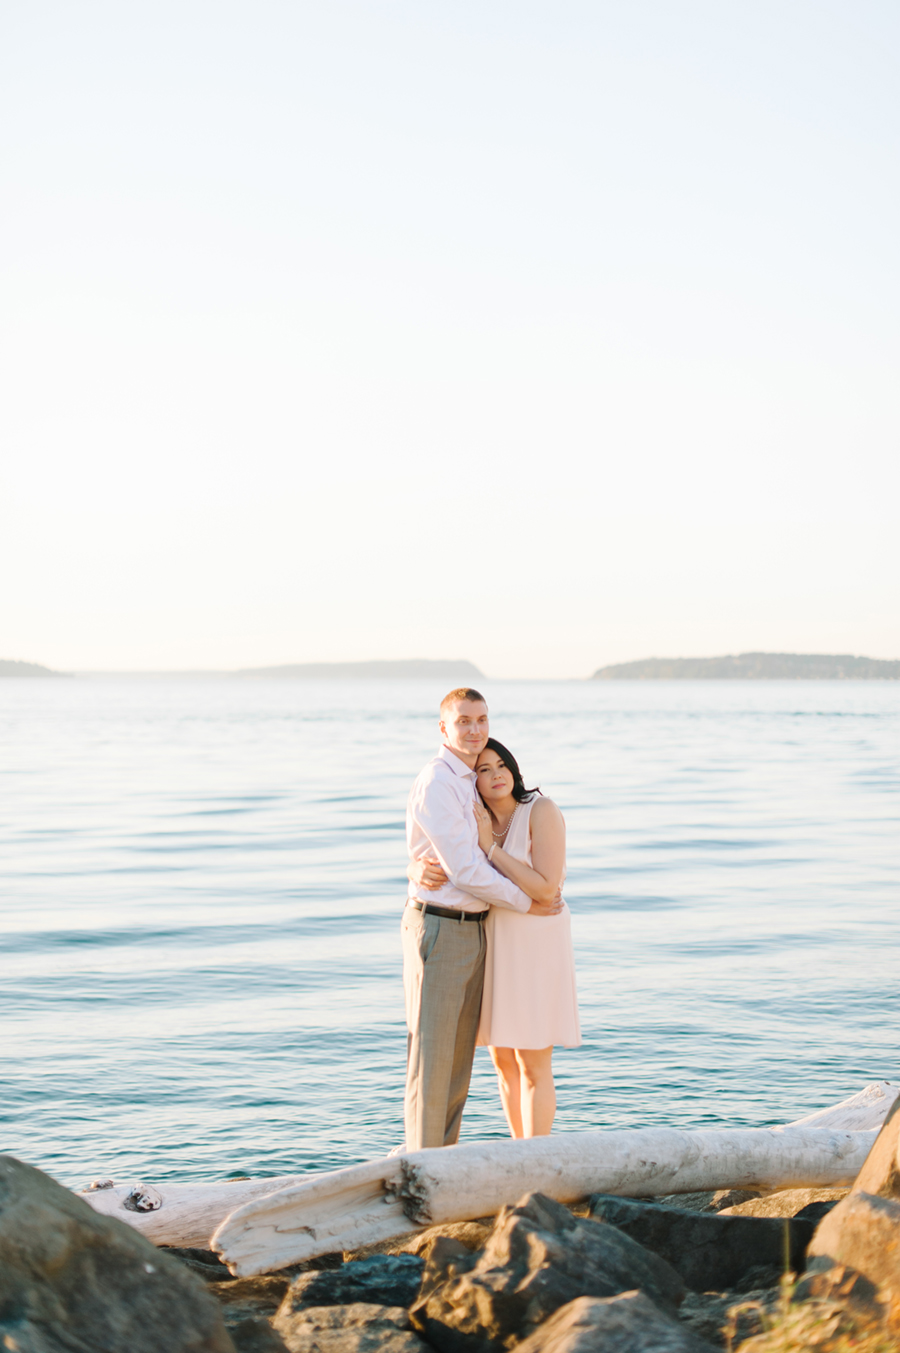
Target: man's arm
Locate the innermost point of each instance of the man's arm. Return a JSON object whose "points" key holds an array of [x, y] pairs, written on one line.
{"points": [[450, 828]]}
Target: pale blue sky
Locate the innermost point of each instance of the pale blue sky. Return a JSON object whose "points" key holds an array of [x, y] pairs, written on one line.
{"points": [[542, 334]]}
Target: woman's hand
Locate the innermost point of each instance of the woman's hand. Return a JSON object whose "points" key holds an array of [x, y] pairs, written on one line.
{"points": [[427, 873], [485, 826]]}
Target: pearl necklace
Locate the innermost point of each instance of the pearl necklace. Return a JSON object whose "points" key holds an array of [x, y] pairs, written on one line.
{"points": [[499, 836]]}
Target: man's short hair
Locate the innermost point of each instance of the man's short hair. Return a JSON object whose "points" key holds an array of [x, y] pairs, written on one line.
{"points": [[461, 693]]}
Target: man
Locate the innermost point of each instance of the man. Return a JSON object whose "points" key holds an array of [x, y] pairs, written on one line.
{"points": [[443, 931]]}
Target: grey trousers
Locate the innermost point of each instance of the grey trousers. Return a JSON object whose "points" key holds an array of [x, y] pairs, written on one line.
{"points": [[443, 974]]}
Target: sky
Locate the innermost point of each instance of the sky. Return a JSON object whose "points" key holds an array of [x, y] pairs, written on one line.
{"points": [[541, 333]]}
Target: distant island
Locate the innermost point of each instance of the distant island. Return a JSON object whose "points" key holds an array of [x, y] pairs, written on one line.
{"points": [[9, 667], [438, 668], [755, 667]]}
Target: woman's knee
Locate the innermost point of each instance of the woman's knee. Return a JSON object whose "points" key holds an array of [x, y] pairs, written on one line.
{"points": [[504, 1060], [535, 1064]]}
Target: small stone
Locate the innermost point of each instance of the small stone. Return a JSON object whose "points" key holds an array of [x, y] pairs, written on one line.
{"points": [[732, 1198]]}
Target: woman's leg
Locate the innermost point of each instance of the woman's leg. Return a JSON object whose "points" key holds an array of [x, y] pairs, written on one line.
{"points": [[509, 1081], [538, 1093]]}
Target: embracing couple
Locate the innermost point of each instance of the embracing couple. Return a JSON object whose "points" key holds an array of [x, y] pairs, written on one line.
{"points": [[487, 943]]}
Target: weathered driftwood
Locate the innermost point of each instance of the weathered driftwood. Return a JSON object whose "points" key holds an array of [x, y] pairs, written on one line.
{"points": [[346, 1209], [180, 1214], [189, 1214], [868, 1109]]}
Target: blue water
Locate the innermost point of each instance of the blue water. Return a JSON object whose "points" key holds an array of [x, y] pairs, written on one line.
{"points": [[201, 884]]}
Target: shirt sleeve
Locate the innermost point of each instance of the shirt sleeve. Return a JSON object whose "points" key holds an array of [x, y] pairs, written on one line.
{"points": [[436, 810]]}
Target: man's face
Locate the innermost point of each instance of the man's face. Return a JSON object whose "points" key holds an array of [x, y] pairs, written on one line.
{"points": [[465, 729]]}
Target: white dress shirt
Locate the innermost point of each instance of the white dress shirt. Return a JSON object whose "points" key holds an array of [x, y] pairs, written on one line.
{"points": [[440, 823]]}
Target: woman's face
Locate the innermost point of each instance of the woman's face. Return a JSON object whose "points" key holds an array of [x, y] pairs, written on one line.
{"points": [[493, 779]]}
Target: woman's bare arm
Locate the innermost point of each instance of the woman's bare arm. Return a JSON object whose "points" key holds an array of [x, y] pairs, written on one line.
{"points": [[548, 851]]}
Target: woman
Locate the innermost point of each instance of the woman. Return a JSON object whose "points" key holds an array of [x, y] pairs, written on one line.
{"points": [[529, 1002]]}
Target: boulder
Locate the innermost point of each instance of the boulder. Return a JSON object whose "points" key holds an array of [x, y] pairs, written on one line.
{"points": [[539, 1258], [361, 1327], [628, 1323], [382, 1280], [75, 1281], [862, 1233], [710, 1250]]}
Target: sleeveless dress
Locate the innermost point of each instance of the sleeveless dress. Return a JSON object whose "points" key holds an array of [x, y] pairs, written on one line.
{"points": [[529, 996]]}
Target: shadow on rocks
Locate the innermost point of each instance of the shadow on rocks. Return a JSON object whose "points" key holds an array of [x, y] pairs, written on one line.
{"points": [[712, 1252]]}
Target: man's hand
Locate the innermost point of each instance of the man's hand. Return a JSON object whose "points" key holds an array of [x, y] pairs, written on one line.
{"points": [[547, 908], [427, 873]]}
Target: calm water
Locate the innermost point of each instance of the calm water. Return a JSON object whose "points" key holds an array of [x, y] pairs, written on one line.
{"points": [[201, 884]]}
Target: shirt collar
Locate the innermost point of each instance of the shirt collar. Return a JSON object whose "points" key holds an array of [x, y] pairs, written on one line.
{"points": [[458, 767]]}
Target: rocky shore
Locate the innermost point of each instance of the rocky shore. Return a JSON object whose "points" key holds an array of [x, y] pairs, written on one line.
{"points": [[764, 1273]]}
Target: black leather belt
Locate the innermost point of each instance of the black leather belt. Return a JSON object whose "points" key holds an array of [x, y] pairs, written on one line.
{"points": [[449, 913]]}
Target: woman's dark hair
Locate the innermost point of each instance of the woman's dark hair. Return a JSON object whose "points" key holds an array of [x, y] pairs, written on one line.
{"points": [[519, 792]]}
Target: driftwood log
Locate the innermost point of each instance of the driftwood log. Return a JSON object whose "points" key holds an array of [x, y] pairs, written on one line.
{"points": [[190, 1214], [383, 1199]]}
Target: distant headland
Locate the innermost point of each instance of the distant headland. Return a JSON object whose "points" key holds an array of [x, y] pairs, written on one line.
{"points": [[438, 669], [408, 667], [9, 667], [755, 667]]}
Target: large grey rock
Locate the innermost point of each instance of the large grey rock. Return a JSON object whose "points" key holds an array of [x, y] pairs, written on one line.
{"points": [[74, 1281], [539, 1258], [712, 1252], [383, 1279], [358, 1328], [862, 1233], [629, 1323]]}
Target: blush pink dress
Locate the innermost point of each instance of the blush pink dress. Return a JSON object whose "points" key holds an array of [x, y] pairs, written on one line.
{"points": [[529, 996]]}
